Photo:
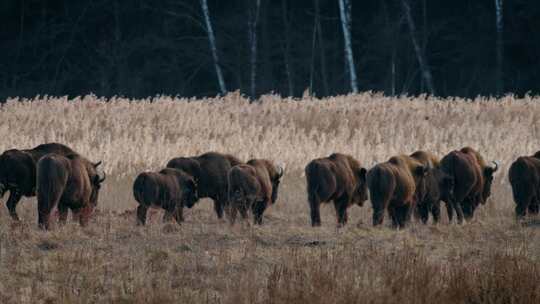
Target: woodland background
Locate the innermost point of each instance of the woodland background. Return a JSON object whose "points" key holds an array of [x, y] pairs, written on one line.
{"points": [[140, 48]]}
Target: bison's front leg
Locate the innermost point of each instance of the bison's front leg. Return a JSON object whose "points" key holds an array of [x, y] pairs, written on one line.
{"points": [[258, 210], [84, 215], [436, 211], [141, 214], [13, 200], [534, 207], [218, 207], [341, 211], [179, 214]]}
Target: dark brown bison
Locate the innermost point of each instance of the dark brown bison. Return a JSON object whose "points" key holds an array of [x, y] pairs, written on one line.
{"points": [[392, 186], [524, 176], [18, 172], [67, 182], [339, 178], [436, 186], [472, 180], [209, 171], [254, 186], [170, 189]]}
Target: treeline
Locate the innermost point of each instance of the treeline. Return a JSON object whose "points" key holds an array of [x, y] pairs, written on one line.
{"points": [[141, 48]]}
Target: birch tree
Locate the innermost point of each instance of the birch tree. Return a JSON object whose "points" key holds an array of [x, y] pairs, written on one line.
{"points": [[213, 48], [252, 32], [499, 45], [345, 15], [420, 56]]}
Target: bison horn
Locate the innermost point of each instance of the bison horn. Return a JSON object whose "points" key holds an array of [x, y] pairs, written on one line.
{"points": [[97, 164], [495, 165], [102, 178], [280, 171]]}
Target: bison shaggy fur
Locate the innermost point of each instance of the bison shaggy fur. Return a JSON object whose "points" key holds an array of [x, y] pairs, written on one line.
{"points": [[524, 176], [339, 178], [472, 179], [67, 182], [169, 189], [433, 188], [210, 172], [393, 186], [18, 172], [253, 186]]}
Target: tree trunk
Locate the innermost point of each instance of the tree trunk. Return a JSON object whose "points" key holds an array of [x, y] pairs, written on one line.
{"points": [[252, 28], [213, 48], [345, 14], [424, 67], [287, 49], [322, 48], [499, 47]]}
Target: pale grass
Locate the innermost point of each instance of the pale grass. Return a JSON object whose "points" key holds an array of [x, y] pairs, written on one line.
{"points": [[489, 260]]}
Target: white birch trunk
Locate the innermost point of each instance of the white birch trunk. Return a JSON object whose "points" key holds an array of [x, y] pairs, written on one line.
{"points": [[424, 67], [213, 48], [345, 14], [252, 27], [499, 46]]}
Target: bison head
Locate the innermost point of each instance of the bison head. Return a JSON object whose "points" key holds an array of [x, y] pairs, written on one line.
{"points": [[95, 179], [189, 193], [488, 180], [361, 191], [275, 182]]}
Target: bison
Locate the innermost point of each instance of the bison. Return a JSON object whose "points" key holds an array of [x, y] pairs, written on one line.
{"points": [[254, 186], [392, 186], [524, 176], [67, 182], [170, 189], [436, 186], [18, 172], [472, 179], [209, 171], [339, 178]]}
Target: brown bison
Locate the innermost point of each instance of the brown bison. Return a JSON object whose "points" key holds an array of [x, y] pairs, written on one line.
{"points": [[209, 171], [18, 172], [339, 178], [524, 176], [436, 186], [392, 186], [254, 186], [66, 182], [472, 179], [170, 189]]}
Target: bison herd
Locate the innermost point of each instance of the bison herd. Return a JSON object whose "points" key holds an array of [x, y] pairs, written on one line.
{"points": [[401, 187]]}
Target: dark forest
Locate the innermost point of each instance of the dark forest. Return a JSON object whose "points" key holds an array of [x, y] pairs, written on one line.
{"points": [[142, 48]]}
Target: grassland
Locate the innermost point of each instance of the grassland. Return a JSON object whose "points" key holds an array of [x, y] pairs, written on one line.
{"points": [[489, 260]]}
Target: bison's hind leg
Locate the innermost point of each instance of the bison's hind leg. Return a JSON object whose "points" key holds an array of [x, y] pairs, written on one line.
{"points": [[314, 206], [436, 211], [534, 206], [218, 207], [141, 214], [63, 213]]}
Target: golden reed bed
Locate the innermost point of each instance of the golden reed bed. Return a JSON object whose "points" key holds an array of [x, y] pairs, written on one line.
{"points": [[489, 260]]}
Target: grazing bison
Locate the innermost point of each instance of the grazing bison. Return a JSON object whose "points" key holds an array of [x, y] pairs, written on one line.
{"points": [[524, 176], [338, 178], [254, 186], [434, 187], [170, 189], [209, 171], [18, 172], [66, 182], [392, 186], [472, 180]]}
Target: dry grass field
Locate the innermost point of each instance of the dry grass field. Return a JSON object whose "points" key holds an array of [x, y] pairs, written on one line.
{"points": [[491, 259]]}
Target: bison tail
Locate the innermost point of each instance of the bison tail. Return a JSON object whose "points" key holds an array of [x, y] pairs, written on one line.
{"points": [[145, 190], [51, 180]]}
